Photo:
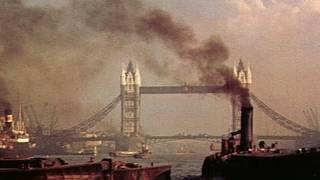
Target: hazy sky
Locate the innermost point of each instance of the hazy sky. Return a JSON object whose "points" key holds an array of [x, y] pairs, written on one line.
{"points": [[280, 40]]}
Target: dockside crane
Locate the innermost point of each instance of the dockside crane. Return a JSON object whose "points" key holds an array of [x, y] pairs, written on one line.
{"points": [[53, 120], [34, 123], [312, 118]]}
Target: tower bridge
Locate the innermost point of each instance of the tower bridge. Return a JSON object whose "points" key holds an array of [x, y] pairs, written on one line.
{"points": [[131, 91], [130, 99]]}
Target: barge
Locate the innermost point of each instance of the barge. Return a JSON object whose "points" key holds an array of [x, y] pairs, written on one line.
{"points": [[106, 169]]}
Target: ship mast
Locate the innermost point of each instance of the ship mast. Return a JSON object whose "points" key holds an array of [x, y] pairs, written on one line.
{"points": [[21, 128]]}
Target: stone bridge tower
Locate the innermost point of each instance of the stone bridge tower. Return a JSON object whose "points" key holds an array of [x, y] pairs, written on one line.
{"points": [[130, 100], [243, 74]]}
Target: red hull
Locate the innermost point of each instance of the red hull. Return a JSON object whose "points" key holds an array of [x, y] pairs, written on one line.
{"points": [[56, 169], [147, 173]]}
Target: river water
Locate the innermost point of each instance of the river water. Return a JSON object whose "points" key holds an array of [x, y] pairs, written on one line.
{"points": [[184, 166]]}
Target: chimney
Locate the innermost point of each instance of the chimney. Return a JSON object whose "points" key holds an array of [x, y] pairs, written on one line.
{"points": [[8, 115], [8, 125], [246, 128], [2, 117]]}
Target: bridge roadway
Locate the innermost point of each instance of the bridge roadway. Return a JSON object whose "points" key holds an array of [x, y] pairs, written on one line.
{"points": [[181, 89], [175, 137]]}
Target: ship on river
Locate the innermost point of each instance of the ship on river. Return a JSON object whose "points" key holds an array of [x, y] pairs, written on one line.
{"points": [[144, 152], [16, 161], [239, 160], [14, 138]]}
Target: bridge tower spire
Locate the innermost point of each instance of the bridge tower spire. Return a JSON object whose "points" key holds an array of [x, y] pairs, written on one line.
{"points": [[130, 100], [244, 75]]}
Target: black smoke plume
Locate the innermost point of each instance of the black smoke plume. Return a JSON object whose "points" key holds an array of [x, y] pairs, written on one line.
{"points": [[51, 54], [208, 57]]}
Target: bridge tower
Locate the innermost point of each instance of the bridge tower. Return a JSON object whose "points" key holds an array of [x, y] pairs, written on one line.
{"points": [[130, 100], [243, 74]]}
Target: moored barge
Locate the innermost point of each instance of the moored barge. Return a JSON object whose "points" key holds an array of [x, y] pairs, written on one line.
{"points": [[43, 168]]}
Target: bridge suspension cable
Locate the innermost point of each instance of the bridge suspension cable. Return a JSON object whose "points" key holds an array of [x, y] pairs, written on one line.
{"points": [[100, 115], [281, 120]]}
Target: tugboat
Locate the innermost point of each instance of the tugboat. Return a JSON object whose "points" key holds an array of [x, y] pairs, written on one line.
{"points": [[239, 160], [14, 138]]}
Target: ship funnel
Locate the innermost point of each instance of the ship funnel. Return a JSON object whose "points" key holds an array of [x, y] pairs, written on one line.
{"points": [[8, 121], [2, 117], [246, 128], [8, 115]]}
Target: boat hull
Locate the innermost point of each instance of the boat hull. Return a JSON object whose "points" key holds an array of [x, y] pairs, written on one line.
{"points": [[40, 168], [263, 166], [17, 151]]}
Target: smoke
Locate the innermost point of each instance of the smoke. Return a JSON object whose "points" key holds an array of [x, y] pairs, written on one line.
{"points": [[157, 23], [208, 57], [52, 54]]}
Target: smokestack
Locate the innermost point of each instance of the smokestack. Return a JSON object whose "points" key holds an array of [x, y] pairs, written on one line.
{"points": [[2, 117], [8, 115], [8, 120], [246, 128]]}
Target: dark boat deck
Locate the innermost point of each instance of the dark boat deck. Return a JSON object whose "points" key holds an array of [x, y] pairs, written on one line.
{"points": [[263, 166]]}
